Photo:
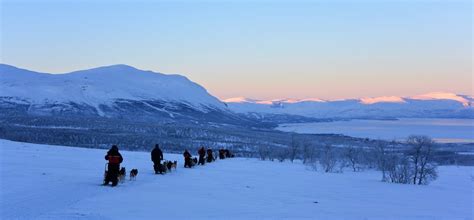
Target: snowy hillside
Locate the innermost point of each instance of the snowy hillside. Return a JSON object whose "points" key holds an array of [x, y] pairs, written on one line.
{"points": [[53, 182], [112, 91], [102, 85], [432, 105]]}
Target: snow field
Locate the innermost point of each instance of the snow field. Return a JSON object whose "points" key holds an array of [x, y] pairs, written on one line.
{"points": [[54, 182]]}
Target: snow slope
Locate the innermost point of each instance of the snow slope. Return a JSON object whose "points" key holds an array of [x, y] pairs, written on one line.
{"points": [[102, 86], [54, 182], [432, 105]]}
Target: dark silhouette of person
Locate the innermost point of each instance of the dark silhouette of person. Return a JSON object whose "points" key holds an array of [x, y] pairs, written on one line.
{"points": [[202, 155], [227, 153], [221, 154], [115, 159], [187, 159], [157, 157], [210, 157]]}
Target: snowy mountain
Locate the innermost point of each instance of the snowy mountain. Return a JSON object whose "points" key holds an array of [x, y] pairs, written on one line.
{"points": [[432, 105], [122, 92], [111, 91]]}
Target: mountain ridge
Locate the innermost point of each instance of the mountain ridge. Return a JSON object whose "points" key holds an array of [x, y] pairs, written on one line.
{"points": [[116, 91], [108, 82], [125, 91], [465, 99]]}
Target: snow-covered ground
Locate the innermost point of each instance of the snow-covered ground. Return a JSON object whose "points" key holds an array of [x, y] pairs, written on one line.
{"points": [[53, 182]]}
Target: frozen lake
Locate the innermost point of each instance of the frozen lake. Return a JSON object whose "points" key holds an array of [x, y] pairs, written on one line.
{"points": [[441, 130]]}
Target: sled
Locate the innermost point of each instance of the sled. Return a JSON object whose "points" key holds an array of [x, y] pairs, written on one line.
{"points": [[105, 173]]}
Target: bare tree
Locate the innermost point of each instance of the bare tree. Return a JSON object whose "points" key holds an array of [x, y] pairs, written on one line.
{"points": [[281, 154], [353, 155], [399, 169], [309, 152], [311, 155], [421, 153], [328, 158], [264, 152], [293, 149], [382, 158]]}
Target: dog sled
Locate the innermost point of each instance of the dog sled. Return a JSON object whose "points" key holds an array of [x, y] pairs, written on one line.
{"points": [[120, 175]]}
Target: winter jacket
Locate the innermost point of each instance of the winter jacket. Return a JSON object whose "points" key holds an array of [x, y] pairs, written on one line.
{"points": [[186, 154], [202, 152], [156, 155], [114, 157]]}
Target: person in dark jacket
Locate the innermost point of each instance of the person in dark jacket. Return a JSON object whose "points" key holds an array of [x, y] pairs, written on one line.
{"points": [[227, 153], [202, 155], [115, 159], [221, 154], [187, 159], [157, 157], [210, 157]]}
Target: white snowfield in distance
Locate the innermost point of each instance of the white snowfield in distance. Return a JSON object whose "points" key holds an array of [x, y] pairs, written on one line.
{"points": [[431, 105], [54, 182]]}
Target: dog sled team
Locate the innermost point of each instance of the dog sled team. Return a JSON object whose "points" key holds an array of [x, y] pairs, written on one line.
{"points": [[157, 157], [115, 174], [204, 156]]}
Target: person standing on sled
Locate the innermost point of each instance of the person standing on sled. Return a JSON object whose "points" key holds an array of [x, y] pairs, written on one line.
{"points": [[187, 159], [202, 154], [157, 157], [115, 159], [221, 154], [210, 157]]}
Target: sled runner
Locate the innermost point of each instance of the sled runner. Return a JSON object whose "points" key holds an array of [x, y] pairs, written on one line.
{"points": [[105, 173]]}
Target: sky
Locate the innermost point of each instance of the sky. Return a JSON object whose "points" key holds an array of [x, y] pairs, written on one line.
{"points": [[257, 49]]}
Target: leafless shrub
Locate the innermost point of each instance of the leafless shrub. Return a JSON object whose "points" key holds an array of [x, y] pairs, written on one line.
{"points": [[354, 157], [421, 154], [328, 159], [281, 154], [264, 152], [400, 170], [293, 149]]}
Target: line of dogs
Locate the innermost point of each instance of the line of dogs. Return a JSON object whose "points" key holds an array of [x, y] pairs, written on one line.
{"points": [[166, 166], [194, 161], [123, 174]]}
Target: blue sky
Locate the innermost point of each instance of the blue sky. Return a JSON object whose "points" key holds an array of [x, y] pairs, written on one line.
{"points": [[258, 49]]}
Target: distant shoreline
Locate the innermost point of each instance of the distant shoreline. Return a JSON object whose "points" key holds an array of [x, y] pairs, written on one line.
{"points": [[442, 130]]}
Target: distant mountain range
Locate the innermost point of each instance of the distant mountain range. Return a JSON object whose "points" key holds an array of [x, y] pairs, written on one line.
{"points": [[431, 105], [124, 92]]}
